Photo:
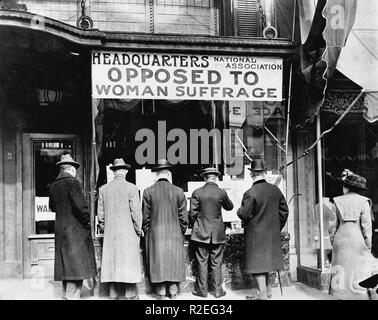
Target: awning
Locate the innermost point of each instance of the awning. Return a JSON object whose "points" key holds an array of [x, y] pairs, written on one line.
{"points": [[331, 24], [359, 58]]}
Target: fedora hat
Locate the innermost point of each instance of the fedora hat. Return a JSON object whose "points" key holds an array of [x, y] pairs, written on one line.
{"points": [[119, 164], [161, 165], [257, 165], [67, 159], [210, 170], [350, 179]]}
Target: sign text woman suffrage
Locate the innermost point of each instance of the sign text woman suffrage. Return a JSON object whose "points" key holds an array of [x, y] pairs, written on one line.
{"points": [[130, 75]]}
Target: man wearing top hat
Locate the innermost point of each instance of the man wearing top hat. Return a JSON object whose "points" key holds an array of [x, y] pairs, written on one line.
{"points": [[120, 215], [165, 221], [208, 234], [74, 252], [264, 212]]}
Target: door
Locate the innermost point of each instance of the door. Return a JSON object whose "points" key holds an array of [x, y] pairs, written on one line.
{"points": [[41, 152]]}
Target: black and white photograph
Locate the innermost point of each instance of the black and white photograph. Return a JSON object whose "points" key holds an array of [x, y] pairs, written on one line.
{"points": [[203, 153]]}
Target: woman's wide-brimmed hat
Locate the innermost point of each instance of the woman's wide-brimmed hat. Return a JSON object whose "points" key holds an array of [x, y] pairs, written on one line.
{"points": [[209, 170], [67, 159], [350, 179], [119, 164], [161, 165], [257, 165]]}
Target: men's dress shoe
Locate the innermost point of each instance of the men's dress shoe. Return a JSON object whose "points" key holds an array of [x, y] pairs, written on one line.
{"points": [[132, 298], [220, 294], [252, 298], [269, 296], [173, 296], [199, 294], [160, 297]]}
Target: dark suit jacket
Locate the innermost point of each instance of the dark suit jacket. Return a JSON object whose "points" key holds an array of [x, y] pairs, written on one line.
{"points": [[165, 220], [264, 212], [206, 213]]}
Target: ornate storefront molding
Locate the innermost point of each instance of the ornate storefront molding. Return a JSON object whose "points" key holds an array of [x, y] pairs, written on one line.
{"points": [[338, 101]]}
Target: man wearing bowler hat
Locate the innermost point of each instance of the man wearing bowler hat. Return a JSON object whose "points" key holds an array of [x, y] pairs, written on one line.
{"points": [[165, 221], [264, 212], [74, 252], [208, 234], [119, 213]]}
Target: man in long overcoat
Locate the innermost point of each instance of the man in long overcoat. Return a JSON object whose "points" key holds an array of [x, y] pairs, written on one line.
{"points": [[74, 252], [208, 232], [165, 221], [120, 215], [264, 212]]}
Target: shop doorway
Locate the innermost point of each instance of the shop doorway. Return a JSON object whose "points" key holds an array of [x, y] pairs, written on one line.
{"points": [[40, 154]]}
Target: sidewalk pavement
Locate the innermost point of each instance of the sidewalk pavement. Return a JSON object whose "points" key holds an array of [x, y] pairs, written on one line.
{"points": [[45, 289]]}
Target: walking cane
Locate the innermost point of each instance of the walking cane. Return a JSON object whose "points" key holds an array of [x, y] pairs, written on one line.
{"points": [[279, 281]]}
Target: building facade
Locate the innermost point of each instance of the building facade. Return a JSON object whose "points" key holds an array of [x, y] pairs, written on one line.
{"points": [[47, 107]]}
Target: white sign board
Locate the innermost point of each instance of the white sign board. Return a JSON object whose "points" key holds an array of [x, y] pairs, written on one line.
{"points": [[144, 75], [42, 210], [144, 178], [235, 190], [109, 173]]}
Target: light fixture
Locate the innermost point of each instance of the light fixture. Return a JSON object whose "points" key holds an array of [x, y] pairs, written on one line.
{"points": [[47, 97], [270, 32], [84, 22]]}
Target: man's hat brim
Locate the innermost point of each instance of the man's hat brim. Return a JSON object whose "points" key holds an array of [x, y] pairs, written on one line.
{"points": [[72, 163], [258, 170], [370, 283], [350, 184], [216, 172], [162, 167], [122, 166]]}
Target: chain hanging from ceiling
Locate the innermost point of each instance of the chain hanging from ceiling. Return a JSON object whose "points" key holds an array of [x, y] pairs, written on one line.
{"points": [[262, 14], [268, 31], [84, 22]]}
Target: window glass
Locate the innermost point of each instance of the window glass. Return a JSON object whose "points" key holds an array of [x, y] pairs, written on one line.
{"points": [[46, 154]]}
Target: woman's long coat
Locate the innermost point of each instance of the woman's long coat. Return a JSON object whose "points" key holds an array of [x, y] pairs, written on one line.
{"points": [[165, 220], [350, 230], [119, 210], [264, 212], [74, 251]]}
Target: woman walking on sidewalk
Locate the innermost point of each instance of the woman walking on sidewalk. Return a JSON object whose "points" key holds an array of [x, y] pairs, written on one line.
{"points": [[350, 235]]}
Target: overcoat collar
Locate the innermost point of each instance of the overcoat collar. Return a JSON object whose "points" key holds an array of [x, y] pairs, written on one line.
{"points": [[259, 181], [211, 183], [63, 175], [162, 179]]}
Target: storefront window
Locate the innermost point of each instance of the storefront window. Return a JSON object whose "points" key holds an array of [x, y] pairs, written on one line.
{"points": [[353, 145], [306, 199], [46, 154], [260, 127], [157, 16]]}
